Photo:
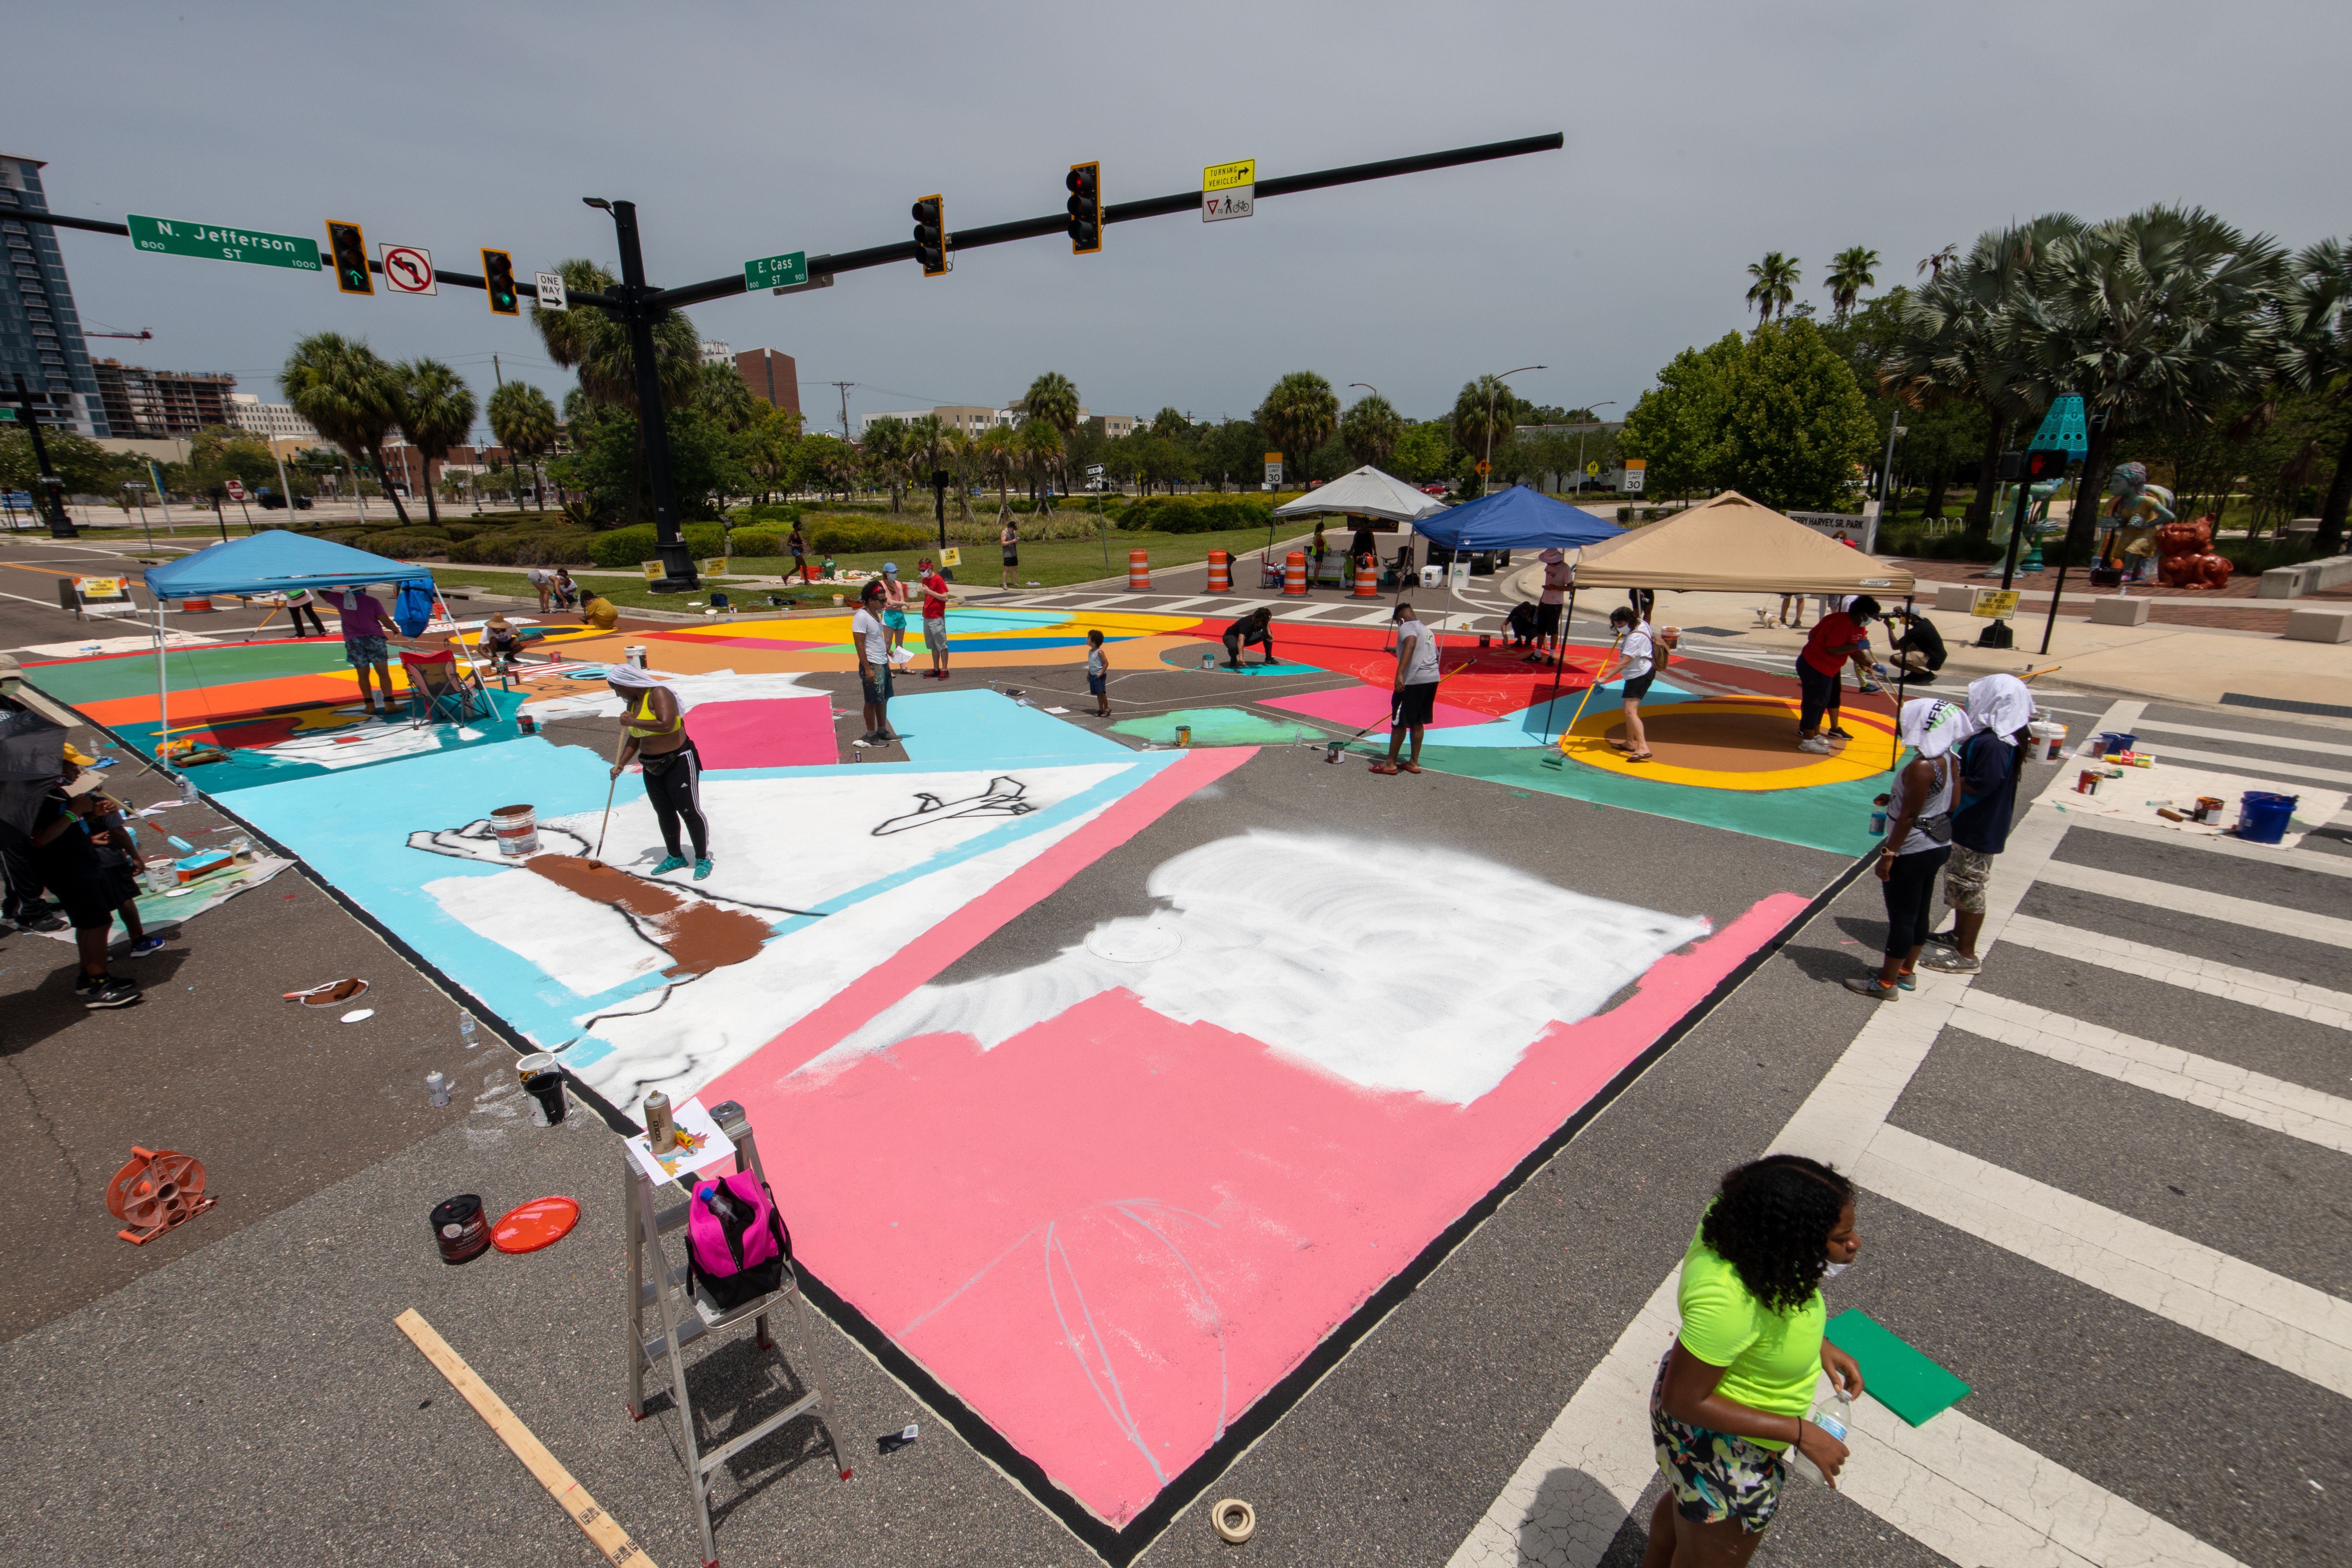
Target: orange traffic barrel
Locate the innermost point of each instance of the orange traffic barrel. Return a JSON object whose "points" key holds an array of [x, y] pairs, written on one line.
{"points": [[1138, 571], [1294, 574], [1367, 579], [1220, 572]]}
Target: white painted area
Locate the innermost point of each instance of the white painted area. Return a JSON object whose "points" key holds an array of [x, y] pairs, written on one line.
{"points": [[2183, 900], [2218, 1085], [376, 743], [1370, 960], [2283, 1321], [717, 686], [578, 944], [2205, 976], [2244, 737], [89, 646]]}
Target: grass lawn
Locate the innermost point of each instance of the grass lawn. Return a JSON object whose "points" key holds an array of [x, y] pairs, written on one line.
{"points": [[1055, 562]]}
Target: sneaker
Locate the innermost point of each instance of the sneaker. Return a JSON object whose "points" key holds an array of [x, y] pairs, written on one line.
{"points": [[145, 945], [106, 991], [1838, 732], [1870, 987], [43, 921], [669, 863], [702, 868], [1813, 744], [1868, 687], [1907, 982], [1943, 939], [1954, 963]]}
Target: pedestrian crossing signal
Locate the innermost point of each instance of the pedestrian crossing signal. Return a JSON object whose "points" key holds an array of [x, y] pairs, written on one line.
{"points": [[497, 281], [931, 235], [1085, 184], [2043, 464], [350, 247]]}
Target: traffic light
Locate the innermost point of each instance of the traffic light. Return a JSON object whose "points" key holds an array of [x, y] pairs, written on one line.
{"points": [[932, 236], [2043, 464], [1086, 208], [350, 246], [498, 281]]}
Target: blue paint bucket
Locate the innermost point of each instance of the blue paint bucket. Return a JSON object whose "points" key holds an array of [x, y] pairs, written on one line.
{"points": [[2115, 741], [2262, 817]]}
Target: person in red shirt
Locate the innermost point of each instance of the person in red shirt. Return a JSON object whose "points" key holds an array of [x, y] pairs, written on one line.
{"points": [[1836, 639], [935, 617]]}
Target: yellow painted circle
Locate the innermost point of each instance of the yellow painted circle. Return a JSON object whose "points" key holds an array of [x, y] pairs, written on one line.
{"points": [[1870, 752]]}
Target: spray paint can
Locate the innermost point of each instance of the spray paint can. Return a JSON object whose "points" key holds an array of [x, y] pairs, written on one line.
{"points": [[436, 1088], [188, 790], [1184, 734], [661, 1129], [458, 1228]]}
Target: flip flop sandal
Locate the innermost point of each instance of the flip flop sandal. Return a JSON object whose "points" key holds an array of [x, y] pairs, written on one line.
{"points": [[1410, 767], [1386, 770], [333, 993], [1638, 757]]}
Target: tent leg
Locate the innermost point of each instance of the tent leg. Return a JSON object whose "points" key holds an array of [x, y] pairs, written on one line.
{"points": [[1902, 679], [163, 697], [1560, 662]]}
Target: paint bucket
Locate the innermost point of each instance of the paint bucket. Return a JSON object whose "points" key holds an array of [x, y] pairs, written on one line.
{"points": [[2262, 817], [525, 725], [1331, 753], [518, 830], [543, 1081], [458, 1228], [1208, 661], [2115, 740], [2046, 741], [2096, 747], [2088, 782], [2209, 807], [635, 654], [1185, 737]]}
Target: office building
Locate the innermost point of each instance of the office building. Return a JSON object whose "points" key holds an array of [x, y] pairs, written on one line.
{"points": [[144, 405], [716, 353], [772, 376], [273, 421], [40, 333], [972, 418]]}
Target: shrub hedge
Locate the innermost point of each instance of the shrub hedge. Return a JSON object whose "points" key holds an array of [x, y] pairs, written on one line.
{"points": [[1194, 514]]}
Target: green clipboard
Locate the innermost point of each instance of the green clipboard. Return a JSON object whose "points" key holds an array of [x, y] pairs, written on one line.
{"points": [[1893, 1373]]}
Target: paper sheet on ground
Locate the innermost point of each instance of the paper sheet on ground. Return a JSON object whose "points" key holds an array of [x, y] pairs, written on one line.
{"points": [[112, 645], [2136, 796], [208, 892]]}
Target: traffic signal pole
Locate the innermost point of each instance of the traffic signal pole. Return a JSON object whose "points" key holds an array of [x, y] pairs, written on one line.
{"points": [[637, 312], [61, 526]]}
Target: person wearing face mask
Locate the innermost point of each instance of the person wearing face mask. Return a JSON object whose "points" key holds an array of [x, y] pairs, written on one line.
{"points": [[1733, 1392]]}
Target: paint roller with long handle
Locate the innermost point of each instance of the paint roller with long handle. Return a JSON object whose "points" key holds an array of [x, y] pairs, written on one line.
{"points": [[596, 861], [1396, 696], [1588, 684]]}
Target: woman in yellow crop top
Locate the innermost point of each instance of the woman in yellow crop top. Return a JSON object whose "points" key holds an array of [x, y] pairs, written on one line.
{"points": [[653, 731], [1733, 1393]]}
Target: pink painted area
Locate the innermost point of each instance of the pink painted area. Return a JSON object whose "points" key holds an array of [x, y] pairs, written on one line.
{"points": [[1114, 1232], [1362, 705], [920, 959], [768, 733]]}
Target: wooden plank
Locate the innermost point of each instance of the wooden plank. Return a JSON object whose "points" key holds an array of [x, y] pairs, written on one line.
{"points": [[603, 1531]]}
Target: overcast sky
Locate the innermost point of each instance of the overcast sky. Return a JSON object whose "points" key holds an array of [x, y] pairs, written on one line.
{"points": [[1699, 136]]}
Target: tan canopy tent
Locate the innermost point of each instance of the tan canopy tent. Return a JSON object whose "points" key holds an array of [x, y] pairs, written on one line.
{"points": [[1730, 545]]}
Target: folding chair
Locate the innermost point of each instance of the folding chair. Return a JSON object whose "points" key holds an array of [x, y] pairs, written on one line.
{"points": [[440, 692]]}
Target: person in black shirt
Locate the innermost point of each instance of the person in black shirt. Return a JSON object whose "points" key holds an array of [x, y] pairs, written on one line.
{"points": [[1989, 762], [1257, 626], [68, 860]]}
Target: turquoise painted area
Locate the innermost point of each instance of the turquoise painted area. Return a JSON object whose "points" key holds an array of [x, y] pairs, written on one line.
{"points": [[1836, 817], [244, 770], [1219, 727], [1540, 725], [982, 729]]}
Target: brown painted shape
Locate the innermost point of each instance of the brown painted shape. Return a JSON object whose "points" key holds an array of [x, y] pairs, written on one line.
{"points": [[699, 934], [1723, 743]]}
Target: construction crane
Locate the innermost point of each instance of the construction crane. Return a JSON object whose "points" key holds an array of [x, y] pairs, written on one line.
{"points": [[141, 337]]}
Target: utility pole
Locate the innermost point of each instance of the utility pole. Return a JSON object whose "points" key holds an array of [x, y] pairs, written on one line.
{"points": [[60, 525], [845, 387]]}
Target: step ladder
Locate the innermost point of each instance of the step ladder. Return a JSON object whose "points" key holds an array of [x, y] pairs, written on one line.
{"points": [[685, 1317]]}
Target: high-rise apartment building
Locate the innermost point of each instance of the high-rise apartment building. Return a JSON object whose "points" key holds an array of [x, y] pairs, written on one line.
{"points": [[274, 421], [145, 404], [41, 333]]}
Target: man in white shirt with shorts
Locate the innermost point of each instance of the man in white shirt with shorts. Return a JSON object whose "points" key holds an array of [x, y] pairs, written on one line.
{"points": [[1416, 703], [872, 640]]}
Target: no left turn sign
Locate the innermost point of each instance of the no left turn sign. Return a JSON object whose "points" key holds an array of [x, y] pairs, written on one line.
{"points": [[409, 269]]}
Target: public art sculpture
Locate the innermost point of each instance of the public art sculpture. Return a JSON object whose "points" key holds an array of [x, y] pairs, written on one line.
{"points": [[2189, 560], [2138, 510]]}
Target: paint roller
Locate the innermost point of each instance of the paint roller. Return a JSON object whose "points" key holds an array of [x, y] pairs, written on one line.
{"points": [[1331, 753], [1613, 643]]}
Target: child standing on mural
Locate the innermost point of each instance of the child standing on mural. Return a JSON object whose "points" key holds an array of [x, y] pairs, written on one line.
{"points": [[872, 640], [894, 605], [653, 732], [1640, 664], [66, 860], [1098, 673]]}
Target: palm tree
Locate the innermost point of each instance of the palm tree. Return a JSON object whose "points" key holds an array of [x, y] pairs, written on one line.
{"points": [[1486, 419], [926, 445], [2315, 320], [2160, 317], [435, 408], [597, 347], [958, 444], [1850, 274], [523, 421], [1953, 340], [1776, 284], [995, 449], [1170, 425], [719, 391], [885, 444], [1039, 444], [1371, 430], [340, 385], [1052, 398], [1938, 261], [1298, 416]]}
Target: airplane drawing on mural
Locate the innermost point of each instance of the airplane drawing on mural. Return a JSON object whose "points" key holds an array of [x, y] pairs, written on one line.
{"points": [[1002, 797]]}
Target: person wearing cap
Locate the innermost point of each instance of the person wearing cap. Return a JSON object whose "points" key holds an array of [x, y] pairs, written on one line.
{"points": [[1918, 840], [871, 640], [1991, 762], [653, 732], [935, 619], [893, 606], [1558, 574]]}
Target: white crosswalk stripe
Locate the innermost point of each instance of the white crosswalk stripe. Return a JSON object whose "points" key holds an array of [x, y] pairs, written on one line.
{"points": [[2244, 737], [2234, 762], [2283, 1107], [2206, 976], [2199, 901]]}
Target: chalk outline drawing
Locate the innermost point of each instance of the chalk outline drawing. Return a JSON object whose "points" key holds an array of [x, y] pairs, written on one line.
{"points": [[1002, 797]]}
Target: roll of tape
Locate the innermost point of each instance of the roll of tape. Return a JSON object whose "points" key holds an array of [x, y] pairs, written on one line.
{"points": [[1234, 1519]]}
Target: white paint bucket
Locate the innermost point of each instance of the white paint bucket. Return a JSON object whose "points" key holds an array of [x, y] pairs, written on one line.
{"points": [[518, 830], [2046, 741], [635, 654]]}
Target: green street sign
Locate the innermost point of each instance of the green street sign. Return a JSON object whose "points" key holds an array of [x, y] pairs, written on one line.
{"points": [[215, 242], [786, 271]]}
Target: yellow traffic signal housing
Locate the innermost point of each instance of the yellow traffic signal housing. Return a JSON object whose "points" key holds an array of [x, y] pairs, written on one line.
{"points": [[498, 281], [349, 248], [931, 235]]}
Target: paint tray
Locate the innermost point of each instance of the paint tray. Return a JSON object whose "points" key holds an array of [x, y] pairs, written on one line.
{"points": [[191, 866], [1893, 1373]]}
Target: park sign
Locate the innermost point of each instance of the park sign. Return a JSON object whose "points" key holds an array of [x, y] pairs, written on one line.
{"points": [[786, 271], [216, 242], [1229, 190]]}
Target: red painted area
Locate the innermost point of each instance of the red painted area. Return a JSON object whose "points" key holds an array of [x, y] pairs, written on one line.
{"points": [[772, 733], [1114, 1232], [1362, 705]]}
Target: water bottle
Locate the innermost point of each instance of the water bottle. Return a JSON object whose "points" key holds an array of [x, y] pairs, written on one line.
{"points": [[188, 790], [436, 1088], [465, 1029], [1830, 1416], [1878, 823]]}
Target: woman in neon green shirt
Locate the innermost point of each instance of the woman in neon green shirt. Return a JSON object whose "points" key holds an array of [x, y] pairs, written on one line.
{"points": [[1733, 1393]]}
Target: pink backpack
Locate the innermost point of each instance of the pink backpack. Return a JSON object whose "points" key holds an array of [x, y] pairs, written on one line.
{"points": [[736, 1243]]}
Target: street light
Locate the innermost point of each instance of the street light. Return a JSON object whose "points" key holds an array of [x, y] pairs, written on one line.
{"points": [[1494, 385], [1594, 409], [142, 499]]}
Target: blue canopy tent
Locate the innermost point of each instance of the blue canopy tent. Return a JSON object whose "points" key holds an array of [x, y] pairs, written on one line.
{"points": [[1516, 519], [275, 561]]}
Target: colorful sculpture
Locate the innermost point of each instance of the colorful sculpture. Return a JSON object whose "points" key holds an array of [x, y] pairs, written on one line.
{"points": [[2189, 560], [2138, 510]]}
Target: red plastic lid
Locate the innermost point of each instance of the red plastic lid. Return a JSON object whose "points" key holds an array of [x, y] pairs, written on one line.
{"points": [[540, 1223]]}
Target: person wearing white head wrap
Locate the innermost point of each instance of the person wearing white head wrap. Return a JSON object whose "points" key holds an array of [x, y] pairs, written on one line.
{"points": [[653, 731], [1990, 761], [1918, 840]]}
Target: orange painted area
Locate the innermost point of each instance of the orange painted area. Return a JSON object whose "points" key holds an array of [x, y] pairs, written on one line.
{"points": [[244, 698]]}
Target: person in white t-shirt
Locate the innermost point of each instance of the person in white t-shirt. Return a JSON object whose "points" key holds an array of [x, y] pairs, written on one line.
{"points": [[542, 582], [871, 638], [1639, 652], [1416, 703]]}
